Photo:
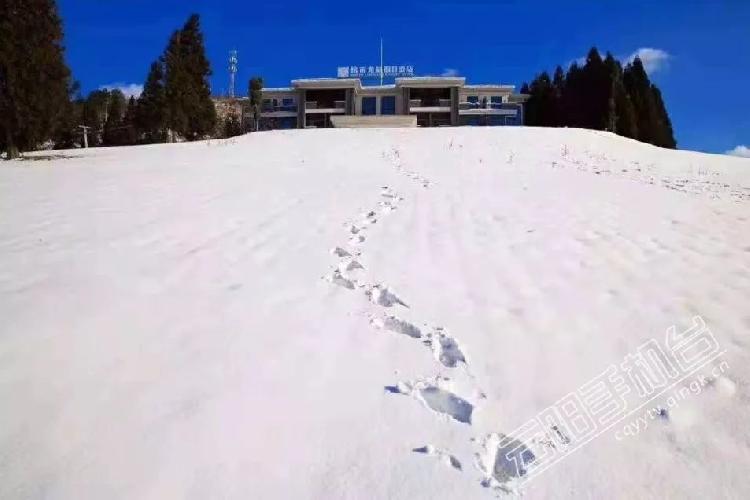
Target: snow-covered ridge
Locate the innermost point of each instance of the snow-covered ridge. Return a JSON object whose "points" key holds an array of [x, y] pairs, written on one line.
{"points": [[362, 314]]}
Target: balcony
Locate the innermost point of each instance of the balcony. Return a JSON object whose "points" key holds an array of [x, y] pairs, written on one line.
{"points": [[487, 108], [325, 107], [430, 105], [279, 110]]}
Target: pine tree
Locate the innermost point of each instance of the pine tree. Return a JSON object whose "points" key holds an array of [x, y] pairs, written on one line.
{"points": [[34, 79], [664, 134], [541, 107], [130, 135], [255, 92], [626, 124], [95, 115], [558, 88], [573, 97], [67, 133], [601, 95], [638, 87], [113, 124], [595, 88], [190, 110], [151, 115]]}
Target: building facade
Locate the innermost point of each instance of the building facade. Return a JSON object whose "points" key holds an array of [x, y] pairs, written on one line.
{"points": [[412, 101]]}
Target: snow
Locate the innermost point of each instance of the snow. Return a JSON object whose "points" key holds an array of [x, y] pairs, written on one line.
{"points": [[188, 321]]}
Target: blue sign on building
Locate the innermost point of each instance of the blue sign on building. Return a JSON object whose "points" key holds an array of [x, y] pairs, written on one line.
{"points": [[374, 71]]}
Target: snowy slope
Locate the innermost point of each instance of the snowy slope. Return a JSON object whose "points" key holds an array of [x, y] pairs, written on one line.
{"points": [[191, 321]]}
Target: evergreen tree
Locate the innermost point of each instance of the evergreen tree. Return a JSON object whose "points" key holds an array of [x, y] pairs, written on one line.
{"points": [[601, 95], [595, 90], [255, 92], [573, 97], [664, 134], [67, 133], [130, 134], [151, 114], [639, 89], [113, 124], [190, 110], [558, 88], [95, 115], [34, 79], [620, 113], [540, 108]]}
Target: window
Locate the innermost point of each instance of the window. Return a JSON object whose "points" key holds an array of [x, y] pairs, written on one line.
{"points": [[288, 104], [472, 98], [388, 105], [368, 106], [267, 106], [496, 99]]}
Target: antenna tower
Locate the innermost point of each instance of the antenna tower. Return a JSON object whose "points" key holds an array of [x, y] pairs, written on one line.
{"points": [[232, 71]]}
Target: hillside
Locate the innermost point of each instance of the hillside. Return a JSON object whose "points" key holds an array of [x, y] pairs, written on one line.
{"points": [[368, 314]]}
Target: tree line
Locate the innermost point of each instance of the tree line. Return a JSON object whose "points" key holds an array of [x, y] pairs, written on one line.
{"points": [[601, 95], [42, 106], [175, 103]]}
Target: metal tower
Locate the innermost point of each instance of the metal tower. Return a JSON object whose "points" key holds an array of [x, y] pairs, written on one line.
{"points": [[232, 71]]}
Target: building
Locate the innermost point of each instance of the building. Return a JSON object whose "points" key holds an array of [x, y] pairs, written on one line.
{"points": [[410, 101]]}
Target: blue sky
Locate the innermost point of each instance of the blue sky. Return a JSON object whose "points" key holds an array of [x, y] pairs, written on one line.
{"points": [[702, 48]]}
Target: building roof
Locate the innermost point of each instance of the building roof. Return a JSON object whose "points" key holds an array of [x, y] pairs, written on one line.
{"points": [[278, 89], [412, 81], [377, 89], [331, 83], [496, 87], [431, 81]]}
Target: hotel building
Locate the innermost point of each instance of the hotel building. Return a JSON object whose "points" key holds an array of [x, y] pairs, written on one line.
{"points": [[409, 102]]}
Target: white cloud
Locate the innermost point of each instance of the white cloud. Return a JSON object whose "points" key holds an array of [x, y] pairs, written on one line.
{"points": [[742, 151], [449, 72], [129, 89], [653, 59]]}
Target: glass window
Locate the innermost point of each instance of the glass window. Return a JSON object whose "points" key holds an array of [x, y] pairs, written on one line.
{"points": [[368, 105], [388, 105], [496, 99], [472, 98], [287, 101]]}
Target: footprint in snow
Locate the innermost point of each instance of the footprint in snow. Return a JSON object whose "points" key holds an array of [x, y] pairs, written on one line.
{"points": [[383, 296], [441, 454], [396, 325], [446, 348], [386, 207], [357, 239], [350, 265], [437, 399], [504, 459], [340, 252], [338, 279]]}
